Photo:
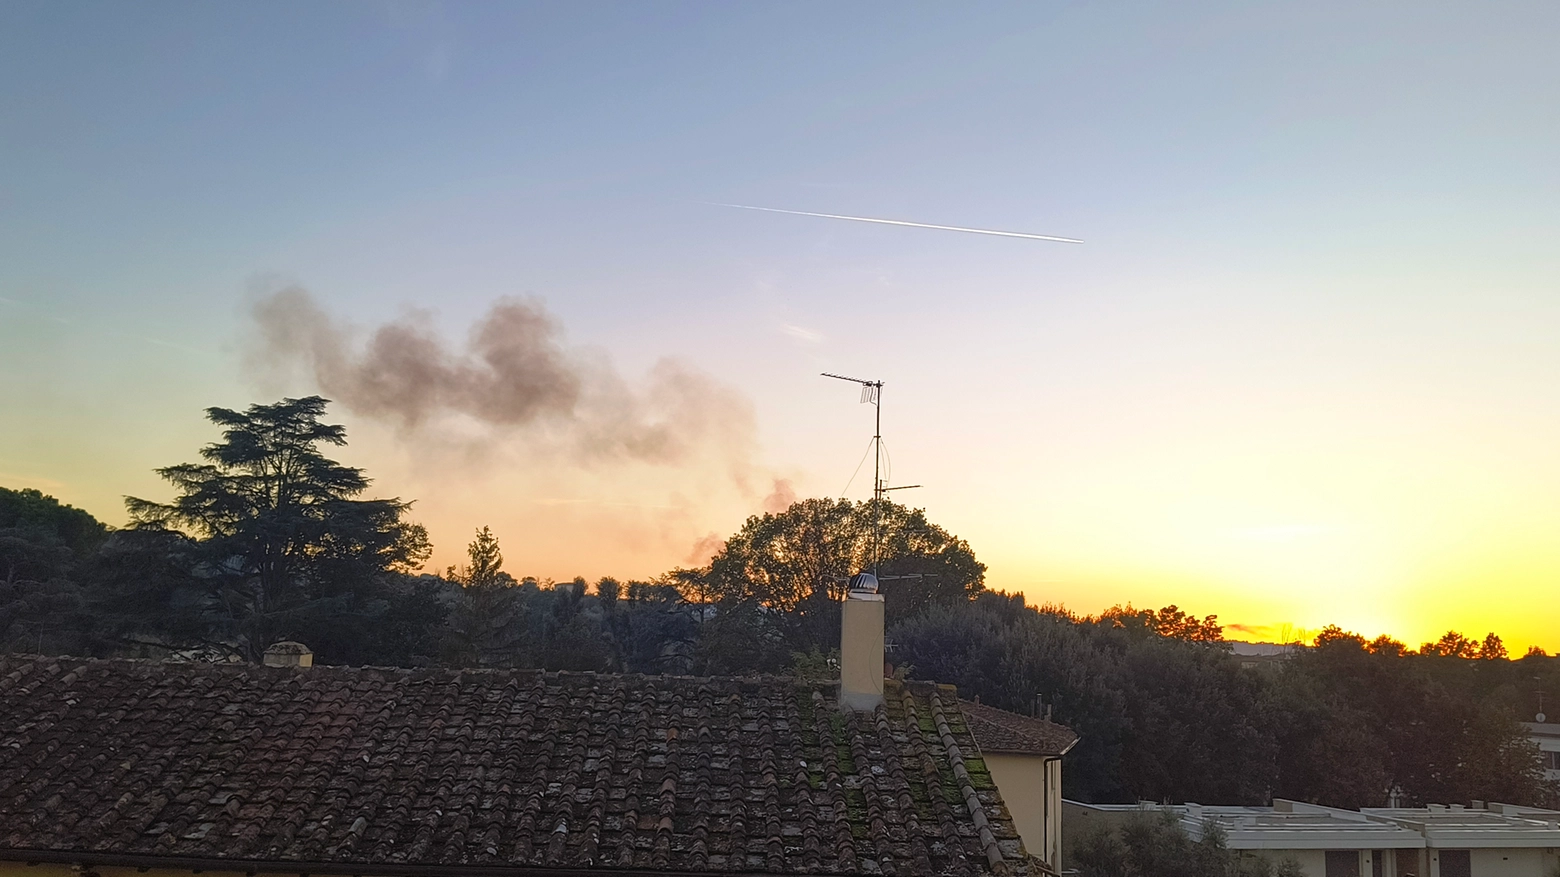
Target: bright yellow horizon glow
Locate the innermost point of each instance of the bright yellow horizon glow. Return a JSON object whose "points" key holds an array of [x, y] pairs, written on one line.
{"points": [[1275, 550], [1356, 516], [1315, 549]]}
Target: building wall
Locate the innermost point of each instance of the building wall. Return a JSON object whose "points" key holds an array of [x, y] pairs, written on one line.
{"points": [[1031, 787], [1547, 738], [1079, 822], [1053, 805], [1502, 862], [1313, 863], [1401, 863], [22, 869], [1486, 863], [1550, 747], [1508, 863]]}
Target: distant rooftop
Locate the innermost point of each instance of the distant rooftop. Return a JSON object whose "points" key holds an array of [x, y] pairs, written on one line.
{"points": [[1288, 825], [1001, 732], [1500, 825], [1261, 650], [1295, 825]]}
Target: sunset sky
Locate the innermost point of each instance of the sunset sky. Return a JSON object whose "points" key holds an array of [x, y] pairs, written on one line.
{"points": [[1304, 369]]}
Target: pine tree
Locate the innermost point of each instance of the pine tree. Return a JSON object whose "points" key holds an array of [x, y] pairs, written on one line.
{"points": [[485, 626], [283, 547]]}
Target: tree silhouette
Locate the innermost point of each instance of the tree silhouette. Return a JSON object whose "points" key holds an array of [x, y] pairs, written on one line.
{"points": [[283, 546], [485, 626], [1451, 645], [1492, 649], [781, 576], [487, 563]]}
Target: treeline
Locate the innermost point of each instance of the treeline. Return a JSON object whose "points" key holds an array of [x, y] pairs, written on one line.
{"points": [[268, 539], [1167, 713]]}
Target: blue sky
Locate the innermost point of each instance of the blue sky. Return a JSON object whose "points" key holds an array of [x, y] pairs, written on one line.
{"points": [[1301, 371]]}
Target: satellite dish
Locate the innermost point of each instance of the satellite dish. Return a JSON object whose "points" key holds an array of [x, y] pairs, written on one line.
{"points": [[1540, 718]]}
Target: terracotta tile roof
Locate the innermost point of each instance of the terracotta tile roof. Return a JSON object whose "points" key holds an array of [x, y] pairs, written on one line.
{"points": [[108, 762], [999, 731]]}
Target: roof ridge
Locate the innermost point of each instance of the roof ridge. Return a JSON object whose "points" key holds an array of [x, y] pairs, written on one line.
{"points": [[988, 841], [57, 661]]}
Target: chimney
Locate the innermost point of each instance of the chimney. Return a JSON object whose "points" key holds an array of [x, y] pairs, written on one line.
{"points": [[288, 654], [861, 645]]}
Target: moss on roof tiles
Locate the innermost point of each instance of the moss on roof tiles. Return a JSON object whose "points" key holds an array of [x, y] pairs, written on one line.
{"points": [[335, 765]]}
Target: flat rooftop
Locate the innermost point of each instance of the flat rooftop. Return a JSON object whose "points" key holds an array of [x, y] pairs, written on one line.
{"points": [[1456, 826], [1292, 825], [1285, 826], [1296, 825]]}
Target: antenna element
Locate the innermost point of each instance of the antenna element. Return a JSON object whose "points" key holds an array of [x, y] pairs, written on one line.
{"points": [[872, 391]]}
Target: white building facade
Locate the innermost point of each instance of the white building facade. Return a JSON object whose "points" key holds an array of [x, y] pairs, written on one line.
{"points": [[1435, 841], [1546, 736]]}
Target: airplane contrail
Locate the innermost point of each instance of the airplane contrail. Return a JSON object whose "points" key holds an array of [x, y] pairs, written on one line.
{"points": [[1006, 234]]}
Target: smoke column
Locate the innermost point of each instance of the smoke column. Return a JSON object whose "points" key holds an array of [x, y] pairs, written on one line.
{"points": [[513, 377]]}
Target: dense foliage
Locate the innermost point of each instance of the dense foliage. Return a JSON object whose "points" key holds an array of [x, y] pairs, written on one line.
{"points": [[1174, 716], [276, 543], [1152, 844], [45, 549], [1161, 717], [775, 587], [268, 538]]}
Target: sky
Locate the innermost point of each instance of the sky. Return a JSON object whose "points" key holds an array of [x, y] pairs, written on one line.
{"points": [[1302, 371]]}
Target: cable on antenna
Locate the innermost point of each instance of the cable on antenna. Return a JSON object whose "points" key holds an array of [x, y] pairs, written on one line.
{"points": [[872, 392]]}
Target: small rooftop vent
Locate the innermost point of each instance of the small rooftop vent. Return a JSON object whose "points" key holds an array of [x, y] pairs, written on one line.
{"points": [[865, 582], [288, 654]]}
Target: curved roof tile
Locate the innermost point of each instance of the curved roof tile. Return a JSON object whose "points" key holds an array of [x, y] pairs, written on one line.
{"points": [[336, 768], [999, 731]]}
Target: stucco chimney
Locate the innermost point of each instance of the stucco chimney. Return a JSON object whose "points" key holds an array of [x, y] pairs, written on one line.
{"points": [[288, 654], [861, 645]]}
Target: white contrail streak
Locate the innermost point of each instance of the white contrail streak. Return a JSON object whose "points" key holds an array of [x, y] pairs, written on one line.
{"points": [[1006, 234]]}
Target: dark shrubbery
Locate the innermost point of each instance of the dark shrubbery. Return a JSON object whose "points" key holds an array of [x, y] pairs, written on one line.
{"points": [[269, 539]]}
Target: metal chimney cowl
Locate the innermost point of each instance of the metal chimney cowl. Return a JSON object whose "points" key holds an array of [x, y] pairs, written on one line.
{"points": [[288, 654]]}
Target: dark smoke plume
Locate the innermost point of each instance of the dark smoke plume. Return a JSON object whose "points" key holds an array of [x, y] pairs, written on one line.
{"points": [[513, 375]]}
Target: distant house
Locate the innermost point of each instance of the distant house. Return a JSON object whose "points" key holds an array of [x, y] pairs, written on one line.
{"points": [[1500, 840], [1546, 736], [180, 768], [1024, 756], [1437, 841], [1263, 657]]}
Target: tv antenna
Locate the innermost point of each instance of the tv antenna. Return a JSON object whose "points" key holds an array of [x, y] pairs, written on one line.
{"points": [[872, 391]]}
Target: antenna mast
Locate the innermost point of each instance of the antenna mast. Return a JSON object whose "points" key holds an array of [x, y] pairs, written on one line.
{"points": [[872, 391]]}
